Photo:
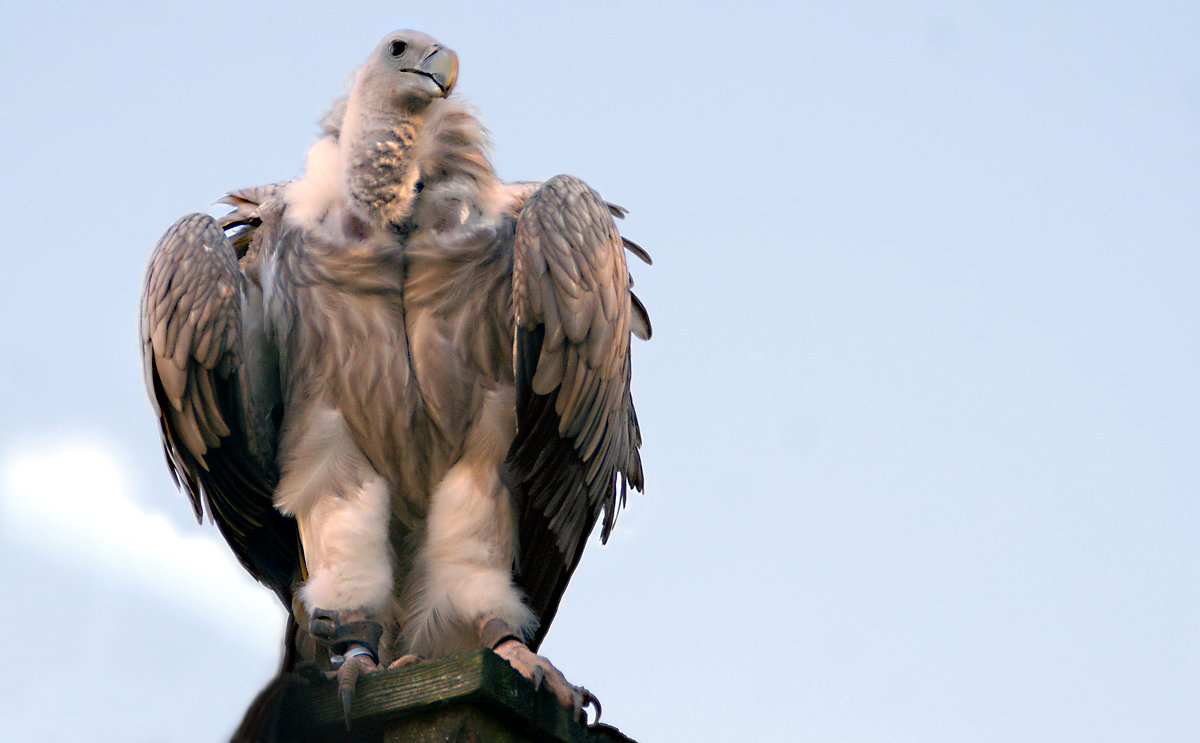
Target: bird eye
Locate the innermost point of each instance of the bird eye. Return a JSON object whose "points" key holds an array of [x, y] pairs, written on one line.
{"points": [[398, 48]]}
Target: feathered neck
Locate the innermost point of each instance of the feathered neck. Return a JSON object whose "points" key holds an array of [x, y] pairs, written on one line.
{"points": [[379, 166], [453, 145]]}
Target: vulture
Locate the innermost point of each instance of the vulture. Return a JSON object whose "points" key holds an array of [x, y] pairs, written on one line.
{"points": [[399, 385]]}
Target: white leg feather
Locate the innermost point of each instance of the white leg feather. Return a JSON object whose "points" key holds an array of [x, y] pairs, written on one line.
{"points": [[343, 509], [347, 550], [463, 569]]}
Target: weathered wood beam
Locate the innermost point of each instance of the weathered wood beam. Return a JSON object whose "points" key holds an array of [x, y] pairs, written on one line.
{"points": [[475, 697]]}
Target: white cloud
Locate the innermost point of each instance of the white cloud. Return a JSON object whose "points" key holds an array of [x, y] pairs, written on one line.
{"points": [[71, 499]]}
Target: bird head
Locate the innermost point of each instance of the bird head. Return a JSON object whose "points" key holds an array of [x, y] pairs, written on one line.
{"points": [[403, 81], [407, 69]]}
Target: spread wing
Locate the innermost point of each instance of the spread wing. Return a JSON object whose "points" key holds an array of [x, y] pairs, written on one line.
{"points": [[577, 433], [210, 377]]}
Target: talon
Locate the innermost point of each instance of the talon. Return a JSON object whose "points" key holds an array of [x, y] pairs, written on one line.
{"points": [[352, 645], [355, 661], [542, 673], [589, 700], [405, 660]]}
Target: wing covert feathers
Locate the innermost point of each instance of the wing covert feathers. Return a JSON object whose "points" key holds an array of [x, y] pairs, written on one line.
{"points": [[214, 433], [577, 434]]}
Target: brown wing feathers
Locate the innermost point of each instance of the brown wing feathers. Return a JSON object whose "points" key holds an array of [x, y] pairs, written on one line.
{"points": [[577, 434], [191, 334]]}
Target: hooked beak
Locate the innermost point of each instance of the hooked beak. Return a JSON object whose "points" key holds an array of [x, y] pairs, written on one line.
{"points": [[440, 67]]}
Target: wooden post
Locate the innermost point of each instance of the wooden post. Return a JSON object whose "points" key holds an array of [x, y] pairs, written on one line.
{"points": [[476, 698]]}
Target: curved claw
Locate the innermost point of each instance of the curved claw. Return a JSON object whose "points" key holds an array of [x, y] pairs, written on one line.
{"points": [[589, 700], [405, 660], [347, 679], [541, 673]]}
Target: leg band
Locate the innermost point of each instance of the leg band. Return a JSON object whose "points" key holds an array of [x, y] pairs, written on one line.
{"points": [[337, 637], [495, 632]]}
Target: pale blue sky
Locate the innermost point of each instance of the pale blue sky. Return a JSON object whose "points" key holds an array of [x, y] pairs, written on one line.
{"points": [[921, 411]]}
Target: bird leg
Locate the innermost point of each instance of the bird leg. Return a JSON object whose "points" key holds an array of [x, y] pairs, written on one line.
{"points": [[352, 643], [496, 635]]}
